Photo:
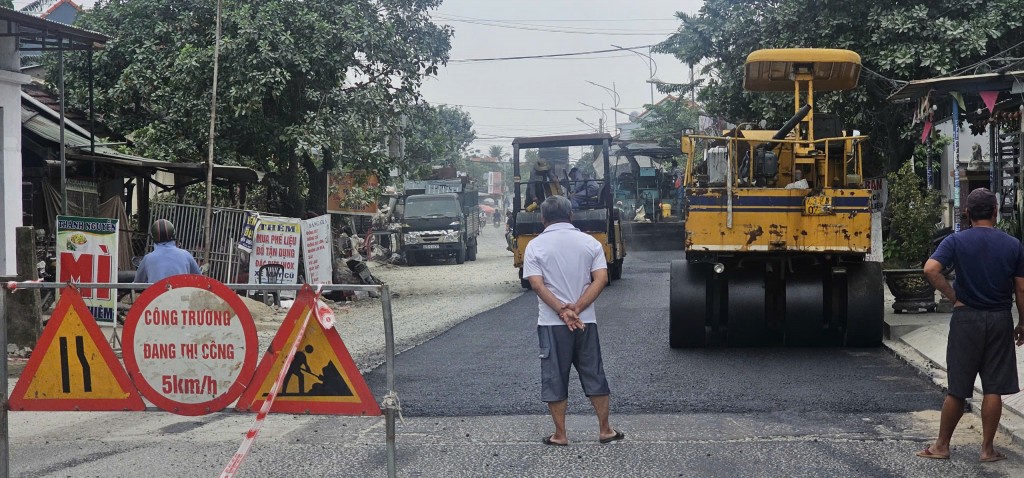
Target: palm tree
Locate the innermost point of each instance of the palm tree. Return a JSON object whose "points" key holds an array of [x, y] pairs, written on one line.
{"points": [[496, 151]]}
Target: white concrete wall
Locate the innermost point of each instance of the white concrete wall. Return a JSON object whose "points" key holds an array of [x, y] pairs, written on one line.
{"points": [[10, 171], [949, 163]]}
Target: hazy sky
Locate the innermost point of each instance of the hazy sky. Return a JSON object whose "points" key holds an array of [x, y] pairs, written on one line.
{"points": [[532, 86], [503, 28]]}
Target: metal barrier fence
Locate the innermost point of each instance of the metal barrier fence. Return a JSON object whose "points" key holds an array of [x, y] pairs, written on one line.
{"points": [[389, 403], [225, 227]]}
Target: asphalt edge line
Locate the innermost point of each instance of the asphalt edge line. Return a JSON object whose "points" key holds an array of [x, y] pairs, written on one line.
{"points": [[1011, 424]]}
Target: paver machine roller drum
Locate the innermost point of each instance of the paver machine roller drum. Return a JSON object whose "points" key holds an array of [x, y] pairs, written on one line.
{"points": [[779, 223]]}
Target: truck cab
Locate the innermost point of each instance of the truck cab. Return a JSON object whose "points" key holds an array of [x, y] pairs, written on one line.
{"points": [[439, 224]]}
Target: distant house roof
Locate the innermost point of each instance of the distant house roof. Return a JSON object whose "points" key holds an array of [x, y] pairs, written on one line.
{"points": [[42, 8], [666, 98], [483, 159], [34, 33]]}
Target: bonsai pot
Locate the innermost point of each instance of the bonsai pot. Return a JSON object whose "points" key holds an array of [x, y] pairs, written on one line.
{"points": [[911, 290]]}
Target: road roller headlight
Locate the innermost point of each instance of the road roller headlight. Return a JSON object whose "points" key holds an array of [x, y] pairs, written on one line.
{"points": [[719, 268]]}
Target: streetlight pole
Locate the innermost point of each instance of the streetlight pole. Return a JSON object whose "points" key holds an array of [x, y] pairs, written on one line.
{"points": [[603, 117], [581, 120], [615, 99], [650, 65]]}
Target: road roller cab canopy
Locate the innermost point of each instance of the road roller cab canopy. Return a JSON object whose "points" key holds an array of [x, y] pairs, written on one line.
{"points": [[776, 69]]}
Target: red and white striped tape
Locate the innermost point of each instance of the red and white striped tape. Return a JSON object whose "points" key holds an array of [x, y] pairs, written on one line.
{"points": [[324, 314], [254, 430]]}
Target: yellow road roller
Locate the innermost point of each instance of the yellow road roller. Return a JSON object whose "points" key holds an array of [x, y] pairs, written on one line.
{"points": [[778, 222]]}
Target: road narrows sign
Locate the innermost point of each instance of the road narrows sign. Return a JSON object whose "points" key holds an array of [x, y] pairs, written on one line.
{"points": [[190, 345], [321, 379], [73, 367]]}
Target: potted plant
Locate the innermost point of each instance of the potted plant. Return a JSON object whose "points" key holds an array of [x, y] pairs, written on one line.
{"points": [[913, 214]]}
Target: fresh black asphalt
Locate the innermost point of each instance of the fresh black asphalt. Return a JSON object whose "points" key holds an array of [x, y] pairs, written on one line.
{"points": [[488, 365]]}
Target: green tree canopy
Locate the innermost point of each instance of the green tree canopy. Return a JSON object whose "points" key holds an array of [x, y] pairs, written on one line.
{"points": [[896, 40], [665, 121], [436, 136], [306, 86]]}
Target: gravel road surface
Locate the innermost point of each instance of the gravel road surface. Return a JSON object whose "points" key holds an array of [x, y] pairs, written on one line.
{"points": [[426, 300]]}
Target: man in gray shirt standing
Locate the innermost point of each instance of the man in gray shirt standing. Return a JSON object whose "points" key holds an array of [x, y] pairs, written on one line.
{"points": [[567, 270]]}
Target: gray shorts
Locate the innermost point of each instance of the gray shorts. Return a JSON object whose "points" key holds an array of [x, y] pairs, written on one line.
{"points": [[560, 349], [981, 343]]}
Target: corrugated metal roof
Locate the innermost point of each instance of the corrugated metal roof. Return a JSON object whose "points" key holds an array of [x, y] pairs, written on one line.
{"points": [[961, 84], [48, 129], [591, 139]]}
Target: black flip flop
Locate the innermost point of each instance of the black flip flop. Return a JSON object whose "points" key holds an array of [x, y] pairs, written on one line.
{"points": [[547, 441], [616, 437]]}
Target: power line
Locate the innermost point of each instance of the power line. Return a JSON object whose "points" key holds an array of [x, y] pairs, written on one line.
{"points": [[552, 55], [982, 62], [553, 30], [671, 19], [528, 109], [600, 57], [561, 29], [879, 75], [513, 109]]}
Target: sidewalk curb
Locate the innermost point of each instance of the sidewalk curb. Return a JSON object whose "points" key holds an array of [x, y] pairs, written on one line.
{"points": [[1010, 424]]}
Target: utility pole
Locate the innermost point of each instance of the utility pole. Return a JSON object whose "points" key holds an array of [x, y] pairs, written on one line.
{"points": [[693, 91], [650, 70], [208, 234], [650, 65]]}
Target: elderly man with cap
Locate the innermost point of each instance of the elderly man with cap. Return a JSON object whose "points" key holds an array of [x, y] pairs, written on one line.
{"points": [[989, 267], [166, 259]]}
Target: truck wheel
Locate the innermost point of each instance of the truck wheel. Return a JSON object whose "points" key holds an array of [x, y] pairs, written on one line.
{"points": [[471, 253], [615, 270], [523, 281], [460, 256]]}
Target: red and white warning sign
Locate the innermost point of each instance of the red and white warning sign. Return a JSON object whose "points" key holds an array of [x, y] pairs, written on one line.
{"points": [[73, 366], [321, 378], [190, 345]]}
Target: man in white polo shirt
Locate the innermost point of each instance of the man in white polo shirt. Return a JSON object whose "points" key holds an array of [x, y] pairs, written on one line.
{"points": [[567, 270]]}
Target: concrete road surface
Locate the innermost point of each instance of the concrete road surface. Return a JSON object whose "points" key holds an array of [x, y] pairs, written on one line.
{"points": [[470, 397]]}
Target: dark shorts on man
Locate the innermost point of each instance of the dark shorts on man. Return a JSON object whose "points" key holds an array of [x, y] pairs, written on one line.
{"points": [[981, 343], [560, 349]]}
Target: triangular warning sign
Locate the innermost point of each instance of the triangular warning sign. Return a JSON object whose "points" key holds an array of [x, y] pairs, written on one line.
{"points": [[73, 367], [321, 379]]}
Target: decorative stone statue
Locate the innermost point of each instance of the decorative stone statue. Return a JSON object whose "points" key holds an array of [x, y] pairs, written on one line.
{"points": [[976, 160]]}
